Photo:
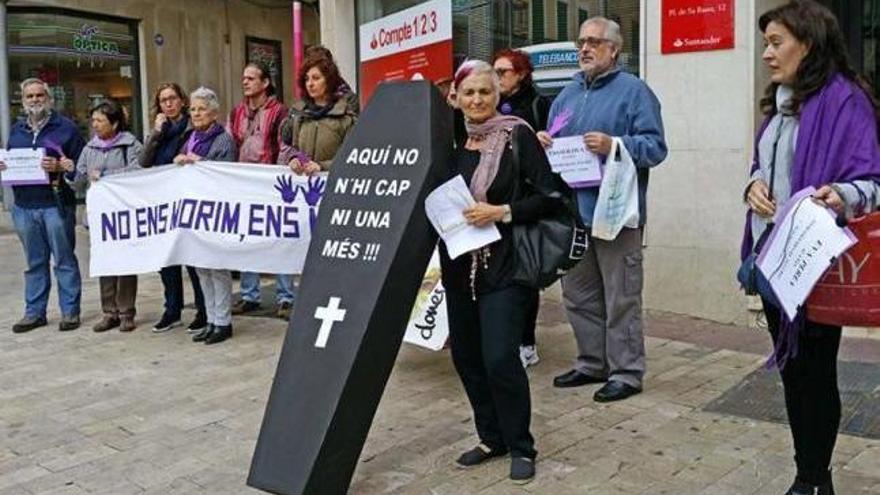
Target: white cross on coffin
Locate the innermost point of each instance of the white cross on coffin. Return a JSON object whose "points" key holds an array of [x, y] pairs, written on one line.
{"points": [[329, 314]]}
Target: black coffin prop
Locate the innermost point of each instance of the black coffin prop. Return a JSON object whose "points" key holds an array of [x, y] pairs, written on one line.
{"points": [[360, 280]]}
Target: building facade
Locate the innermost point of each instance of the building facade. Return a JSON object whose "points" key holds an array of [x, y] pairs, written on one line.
{"points": [[92, 49], [696, 210]]}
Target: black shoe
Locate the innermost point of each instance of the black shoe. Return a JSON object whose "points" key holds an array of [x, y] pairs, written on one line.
{"points": [[29, 323], [198, 324], [244, 307], [802, 488], [522, 470], [615, 390], [478, 455], [166, 323], [201, 336], [219, 334], [68, 323], [575, 378]]}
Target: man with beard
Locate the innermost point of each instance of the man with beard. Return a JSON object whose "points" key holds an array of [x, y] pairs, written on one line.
{"points": [[603, 293], [45, 215]]}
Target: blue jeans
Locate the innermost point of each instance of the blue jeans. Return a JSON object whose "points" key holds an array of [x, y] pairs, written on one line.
{"points": [[44, 232], [250, 288]]}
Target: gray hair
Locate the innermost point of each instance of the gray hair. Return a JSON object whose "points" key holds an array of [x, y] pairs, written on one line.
{"points": [[612, 30], [35, 80], [206, 95], [476, 67]]}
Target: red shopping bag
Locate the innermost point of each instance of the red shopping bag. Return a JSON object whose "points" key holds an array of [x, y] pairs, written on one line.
{"points": [[849, 292]]}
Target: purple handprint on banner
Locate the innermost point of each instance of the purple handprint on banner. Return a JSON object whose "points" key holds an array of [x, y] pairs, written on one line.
{"points": [[285, 187], [313, 196], [560, 121]]}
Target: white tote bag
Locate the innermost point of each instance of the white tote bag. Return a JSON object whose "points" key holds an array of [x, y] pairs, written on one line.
{"points": [[618, 203]]}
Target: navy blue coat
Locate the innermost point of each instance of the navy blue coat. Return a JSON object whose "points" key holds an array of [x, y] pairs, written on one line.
{"points": [[58, 133]]}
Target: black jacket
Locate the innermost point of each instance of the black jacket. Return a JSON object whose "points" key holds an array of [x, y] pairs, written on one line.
{"points": [[509, 187], [528, 105]]}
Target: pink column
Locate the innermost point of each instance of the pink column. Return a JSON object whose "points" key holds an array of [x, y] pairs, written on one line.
{"points": [[297, 45]]}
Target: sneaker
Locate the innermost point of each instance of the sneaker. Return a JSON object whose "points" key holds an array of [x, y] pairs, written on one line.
{"points": [[284, 309], [528, 354], [166, 323], [522, 470], [29, 323], [68, 323], [127, 324], [198, 324], [242, 307], [106, 323], [478, 455]]}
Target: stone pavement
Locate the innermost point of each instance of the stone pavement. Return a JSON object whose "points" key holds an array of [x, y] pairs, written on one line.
{"points": [[141, 413]]}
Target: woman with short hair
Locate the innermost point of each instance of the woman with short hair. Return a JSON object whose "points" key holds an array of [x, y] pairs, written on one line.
{"points": [[820, 130], [171, 122], [208, 140], [502, 162], [112, 150]]}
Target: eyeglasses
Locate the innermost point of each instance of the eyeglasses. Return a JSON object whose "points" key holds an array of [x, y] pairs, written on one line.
{"points": [[503, 70], [589, 42]]}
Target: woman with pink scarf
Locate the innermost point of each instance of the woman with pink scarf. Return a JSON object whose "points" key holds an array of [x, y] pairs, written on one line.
{"points": [[488, 311], [112, 150]]}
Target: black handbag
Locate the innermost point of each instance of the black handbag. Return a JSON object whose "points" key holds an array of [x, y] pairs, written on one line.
{"points": [[547, 248]]}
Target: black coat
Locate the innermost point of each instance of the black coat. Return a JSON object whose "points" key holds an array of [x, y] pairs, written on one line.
{"points": [[528, 105], [526, 205]]}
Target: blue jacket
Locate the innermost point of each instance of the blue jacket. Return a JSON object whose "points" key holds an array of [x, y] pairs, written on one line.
{"points": [[621, 105], [58, 132]]}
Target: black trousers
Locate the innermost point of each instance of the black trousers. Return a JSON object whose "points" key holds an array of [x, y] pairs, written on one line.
{"points": [[812, 398], [531, 320], [172, 281], [485, 336]]}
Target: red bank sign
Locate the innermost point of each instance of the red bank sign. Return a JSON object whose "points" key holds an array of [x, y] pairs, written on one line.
{"points": [[696, 25], [412, 44]]}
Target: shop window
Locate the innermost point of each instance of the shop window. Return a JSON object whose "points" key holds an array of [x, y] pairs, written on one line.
{"points": [[83, 58]]}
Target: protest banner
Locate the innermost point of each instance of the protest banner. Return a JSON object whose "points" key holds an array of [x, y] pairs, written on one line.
{"points": [[366, 262], [234, 216]]}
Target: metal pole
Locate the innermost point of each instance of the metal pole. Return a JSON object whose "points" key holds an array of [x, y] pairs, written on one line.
{"points": [[297, 45], [5, 117]]}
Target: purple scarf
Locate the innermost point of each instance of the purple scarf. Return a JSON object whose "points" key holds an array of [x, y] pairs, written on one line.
{"points": [[495, 133], [837, 142], [200, 142], [105, 144]]}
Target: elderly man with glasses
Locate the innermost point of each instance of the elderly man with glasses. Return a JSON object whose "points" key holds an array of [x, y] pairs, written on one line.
{"points": [[603, 293], [45, 214]]}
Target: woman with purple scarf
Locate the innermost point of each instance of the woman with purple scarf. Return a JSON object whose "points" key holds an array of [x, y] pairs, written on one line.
{"points": [[488, 312], [820, 131], [208, 140], [112, 150]]}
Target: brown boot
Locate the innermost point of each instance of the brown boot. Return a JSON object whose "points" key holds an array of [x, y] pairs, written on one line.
{"points": [[127, 324], [107, 322]]}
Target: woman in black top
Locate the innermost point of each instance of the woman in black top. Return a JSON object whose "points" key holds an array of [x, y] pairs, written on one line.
{"points": [[487, 311], [520, 99], [165, 140]]}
